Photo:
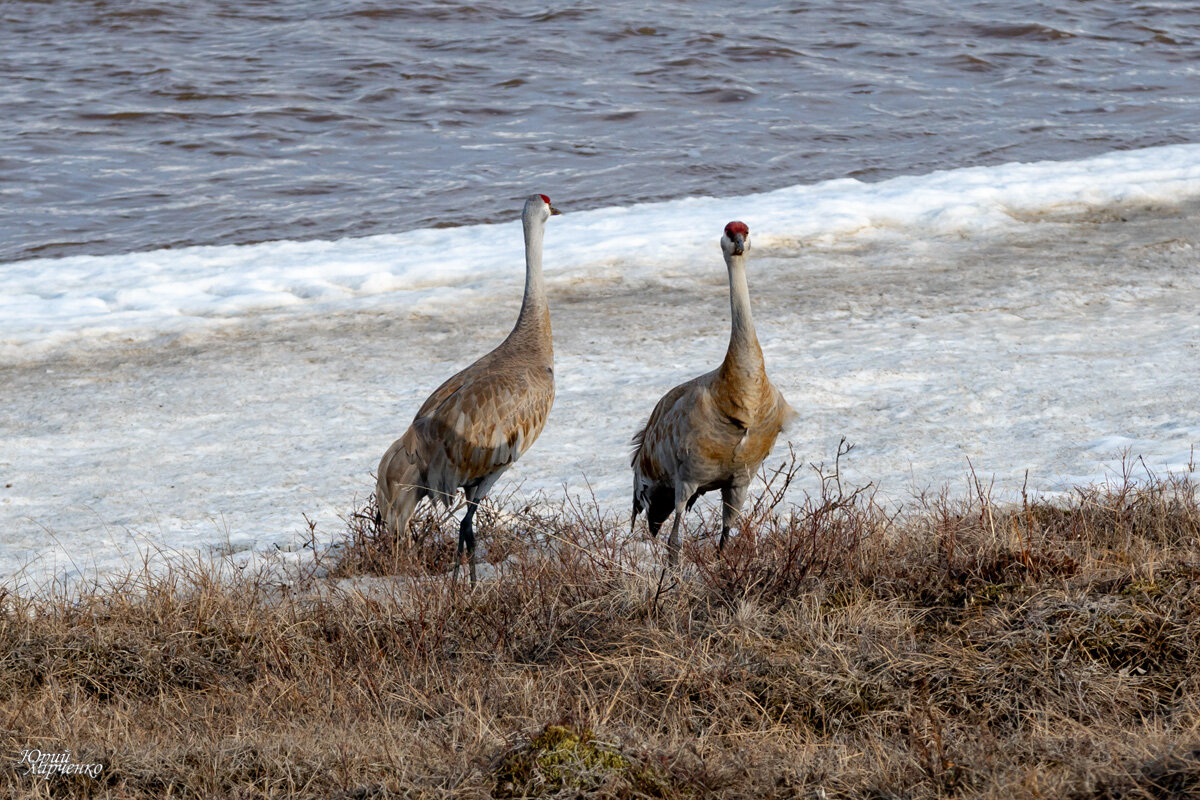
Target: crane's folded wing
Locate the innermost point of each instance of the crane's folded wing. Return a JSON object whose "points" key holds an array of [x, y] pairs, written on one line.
{"points": [[490, 420]]}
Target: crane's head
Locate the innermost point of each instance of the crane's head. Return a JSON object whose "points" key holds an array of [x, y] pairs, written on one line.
{"points": [[736, 239], [538, 206]]}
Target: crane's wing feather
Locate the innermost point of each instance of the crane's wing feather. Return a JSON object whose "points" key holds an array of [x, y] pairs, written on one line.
{"points": [[485, 419], [665, 430]]}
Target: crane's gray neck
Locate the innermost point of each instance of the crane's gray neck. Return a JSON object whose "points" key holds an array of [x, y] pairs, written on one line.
{"points": [[535, 312], [744, 355]]}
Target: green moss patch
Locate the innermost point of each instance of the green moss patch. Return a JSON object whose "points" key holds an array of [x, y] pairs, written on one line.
{"points": [[568, 760]]}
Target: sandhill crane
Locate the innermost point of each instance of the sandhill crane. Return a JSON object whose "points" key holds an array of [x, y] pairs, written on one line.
{"points": [[714, 431], [477, 424]]}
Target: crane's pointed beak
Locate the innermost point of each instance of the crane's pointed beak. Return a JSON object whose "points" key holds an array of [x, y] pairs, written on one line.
{"points": [[554, 212], [739, 244]]}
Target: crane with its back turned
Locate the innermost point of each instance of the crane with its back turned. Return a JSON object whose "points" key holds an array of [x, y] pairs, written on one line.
{"points": [[714, 431], [479, 422]]}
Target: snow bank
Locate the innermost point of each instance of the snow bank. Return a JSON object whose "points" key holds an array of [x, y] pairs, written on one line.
{"points": [[52, 302]]}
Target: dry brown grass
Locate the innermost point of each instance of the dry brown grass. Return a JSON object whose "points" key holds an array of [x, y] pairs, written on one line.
{"points": [[953, 649]]}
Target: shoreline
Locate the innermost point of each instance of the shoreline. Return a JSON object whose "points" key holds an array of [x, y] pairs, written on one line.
{"points": [[55, 302]]}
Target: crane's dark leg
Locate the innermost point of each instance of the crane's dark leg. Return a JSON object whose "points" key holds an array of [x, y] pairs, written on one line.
{"points": [[673, 539], [732, 499], [466, 541], [466, 533], [682, 495]]}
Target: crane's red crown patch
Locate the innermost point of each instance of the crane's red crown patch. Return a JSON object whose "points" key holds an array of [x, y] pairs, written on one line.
{"points": [[737, 227], [547, 199]]}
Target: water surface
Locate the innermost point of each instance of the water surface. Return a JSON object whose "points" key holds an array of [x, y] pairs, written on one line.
{"points": [[137, 125]]}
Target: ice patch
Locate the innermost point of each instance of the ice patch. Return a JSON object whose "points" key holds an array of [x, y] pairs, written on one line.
{"points": [[51, 302]]}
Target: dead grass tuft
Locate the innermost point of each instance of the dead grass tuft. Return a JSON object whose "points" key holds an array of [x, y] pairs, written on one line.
{"points": [[953, 648]]}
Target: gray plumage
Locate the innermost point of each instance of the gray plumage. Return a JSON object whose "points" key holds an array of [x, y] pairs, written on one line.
{"points": [[479, 422], [714, 431]]}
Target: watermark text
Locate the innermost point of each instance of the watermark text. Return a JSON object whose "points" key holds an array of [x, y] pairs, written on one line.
{"points": [[44, 764]]}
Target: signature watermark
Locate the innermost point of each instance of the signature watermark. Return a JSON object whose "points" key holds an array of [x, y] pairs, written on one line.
{"points": [[44, 764]]}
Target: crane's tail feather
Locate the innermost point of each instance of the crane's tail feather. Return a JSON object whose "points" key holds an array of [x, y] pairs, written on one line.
{"points": [[639, 495], [660, 506], [399, 486]]}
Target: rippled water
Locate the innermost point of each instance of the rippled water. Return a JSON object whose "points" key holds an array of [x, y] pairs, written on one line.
{"points": [[134, 125]]}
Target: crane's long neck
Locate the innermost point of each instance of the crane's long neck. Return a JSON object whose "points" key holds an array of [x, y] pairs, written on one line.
{"points": [[743, 360], [533, 323]]}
